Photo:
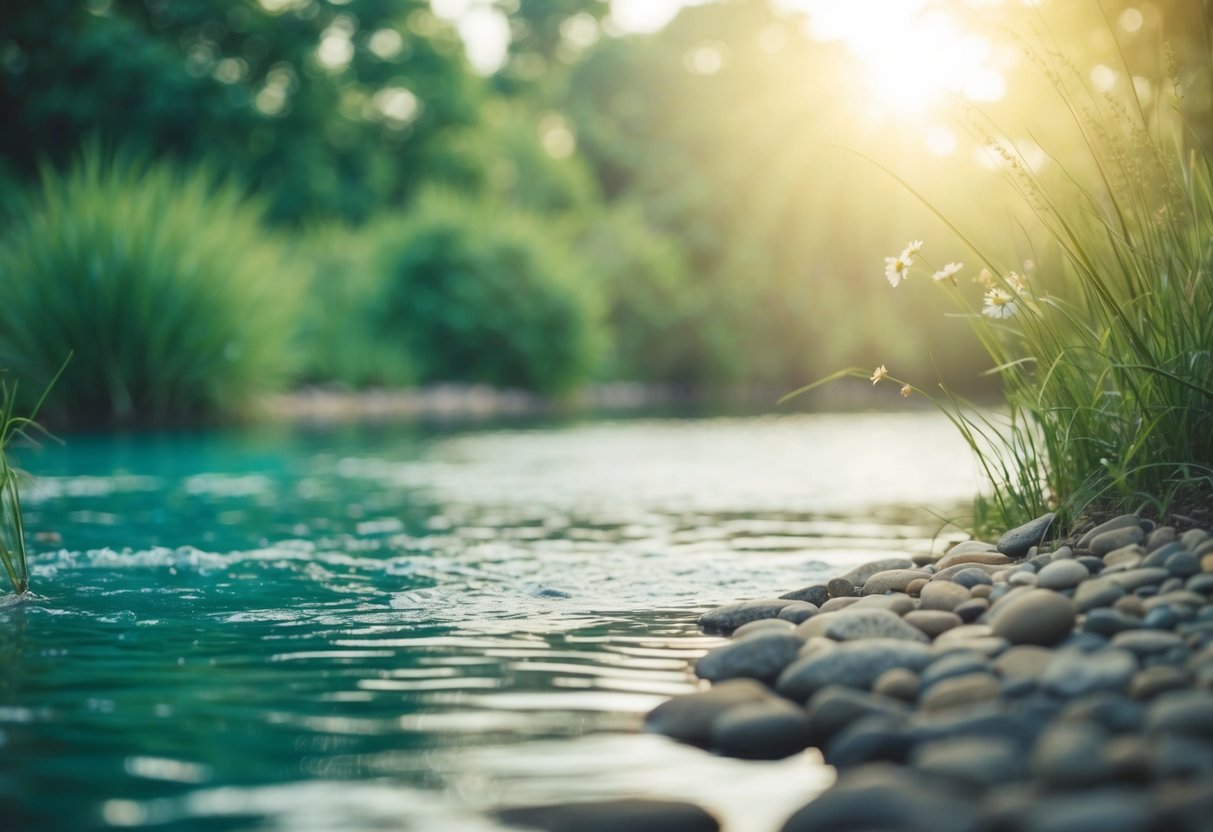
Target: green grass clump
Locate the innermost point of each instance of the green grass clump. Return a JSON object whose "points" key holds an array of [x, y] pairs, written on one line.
{"points": [[1105, 357], [162, 283], [473, 293]]}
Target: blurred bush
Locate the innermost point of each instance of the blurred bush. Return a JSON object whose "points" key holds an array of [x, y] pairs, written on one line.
{"points": [[162, 283], [475, 293], [339, 341]]}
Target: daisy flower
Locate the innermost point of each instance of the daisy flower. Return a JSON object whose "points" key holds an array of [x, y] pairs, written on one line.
{"points": [[1017, 283], [912, 248], [895, 269], [999, 304], [948, 272], [881, 373]]}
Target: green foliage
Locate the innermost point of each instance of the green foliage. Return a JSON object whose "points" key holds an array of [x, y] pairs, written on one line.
{"points": [[338, 338], [162, 283], [473, 293], [328, 109]]}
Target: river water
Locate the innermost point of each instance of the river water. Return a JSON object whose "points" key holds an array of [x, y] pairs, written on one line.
{"points": [[380, 627]]}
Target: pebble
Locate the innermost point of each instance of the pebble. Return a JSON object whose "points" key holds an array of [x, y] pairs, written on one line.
{"points": [[976, 763], [955, 664], [1102, 810], [1127, 556], [891, 580], [1097, 592], [1073, 673], [968, 547], [971, 576], [960, 691], [932, 622], [1110, 541], [1146, 642], [885, 798], [764, 625], [1157, 679], [896, 602], [1108, 622], [632, 814], [689, 717], [761, 656], [816, 594], [1070, 754], [852, 624], [943, 595], [915, 587], [836, 604], [986, 558], [1161, 537], [770, 729], [1121, 522], [1037, 616], [971, 610], [1193, 538], [1062, 574], [797, 612], [1185, 712], [1182, 565], [1026, 662], [898, 683], [1016, 542], [835, 708], [855, 664], [1136, 578], [841, 588], [860, 574], [729, 617]]}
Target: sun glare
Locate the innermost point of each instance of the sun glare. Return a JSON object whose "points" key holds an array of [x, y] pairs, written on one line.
{"points": [[914, 54]]}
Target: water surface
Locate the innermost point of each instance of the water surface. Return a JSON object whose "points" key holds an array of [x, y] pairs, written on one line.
{"points": [[401, 628]]}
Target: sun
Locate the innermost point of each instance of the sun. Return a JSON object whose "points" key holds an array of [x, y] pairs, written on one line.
{"points": [[914, 54]]}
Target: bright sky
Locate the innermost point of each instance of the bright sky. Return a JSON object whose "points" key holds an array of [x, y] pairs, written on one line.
{"points": [[915, 53]]}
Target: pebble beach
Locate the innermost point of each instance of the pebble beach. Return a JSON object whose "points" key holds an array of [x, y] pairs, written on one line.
{"points": [[1030, 684]]}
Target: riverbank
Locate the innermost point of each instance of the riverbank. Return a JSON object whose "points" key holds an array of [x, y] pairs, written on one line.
{"points": [[1027, 685]]}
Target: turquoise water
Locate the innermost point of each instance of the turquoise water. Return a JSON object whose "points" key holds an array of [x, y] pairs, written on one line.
{"points": [[402, 628]]}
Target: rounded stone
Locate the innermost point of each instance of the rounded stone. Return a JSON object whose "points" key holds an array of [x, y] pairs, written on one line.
{"points": [[943, 595], [1188, 712], [1024, 663], [972, 609], [898, 683], [987, 558], [761, 656], [885, 798], [840, 588], [1182, 564], [1062, 574], [1156, 680], [815, 594], [689, 717], [834, 708], [932, 622], [767, 730], [860, 574], [764, 625], [1069, 754], [961, 691], [1035, 616], [1110, 541], [798, 612], [892, 580], [729, 617], [1123, 521], [1097, 592], [633, 814], [971, 576], [1073, 673], [854, 624], [1017, 541], [855, 664], [915, 587], [836, 604], [970, 761]]}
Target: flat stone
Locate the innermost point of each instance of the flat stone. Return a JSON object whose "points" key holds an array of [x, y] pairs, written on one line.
{"points": [[1127, 556], [932, 622], [942, 595], [798, 612], [895, 602], [854, 664], [967, 547], [898, 683], [960, 663], [834, 708], [1024, 663], [985, 558], [860, 574], [1108, 622], [1035, 616], [632, 814], [1097, 592], [1062, 574], [688, 718], [1016, 542], [1110, 541], [837, 604], [971, 762], [1113, 712], [892, 580], [988, 646], [729, 617], [841, 588], [1073, 673], [1137, 578], [1158, 679], [1187, 712], [1161, 536], [761, 656], [952, 571], [870, 740], [815, 594], [1202, 583], [1193, 538], [1070, 754], [885, 798], [961, 691], [1124, 521], [853, 624], [1146, 642], [765, 730], [971, 576], [764, 625]]}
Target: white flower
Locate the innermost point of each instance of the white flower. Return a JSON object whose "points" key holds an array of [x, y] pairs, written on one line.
{"points": [[895, 269], [948, 272], [880, 374], [912, 248], [1016, 283], [999, 304]]}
